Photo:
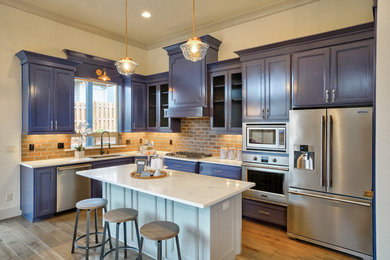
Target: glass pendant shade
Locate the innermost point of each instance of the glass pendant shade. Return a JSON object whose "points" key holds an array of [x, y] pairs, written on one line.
{"points": [[194, 49], [126, 66]]}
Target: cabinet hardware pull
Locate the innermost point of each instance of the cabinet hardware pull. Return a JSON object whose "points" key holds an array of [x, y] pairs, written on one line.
{"points": [[327, 96], [262, 114], [264, 212], [56, 125], [51, 124], [267, 115], [133, 125], [333, 95]]}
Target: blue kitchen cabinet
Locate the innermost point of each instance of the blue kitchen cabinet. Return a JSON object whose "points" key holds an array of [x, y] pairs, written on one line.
{"points": [[38, 192], [139, 106], [47, 94], [219, 170], [96, 186], [266, 89], [181, 165]]}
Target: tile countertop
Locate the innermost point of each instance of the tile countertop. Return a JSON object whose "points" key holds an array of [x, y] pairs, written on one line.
{"points": [[74, 160], [197, 190]]}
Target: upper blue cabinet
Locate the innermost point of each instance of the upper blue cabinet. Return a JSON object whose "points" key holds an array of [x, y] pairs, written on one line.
{"points": [[47, 93]]}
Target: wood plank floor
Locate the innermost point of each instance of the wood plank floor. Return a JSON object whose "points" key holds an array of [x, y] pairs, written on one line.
{"points": [[52, 239]]}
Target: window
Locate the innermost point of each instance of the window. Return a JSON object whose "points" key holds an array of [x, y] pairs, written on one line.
{"points": [[97, 104]]}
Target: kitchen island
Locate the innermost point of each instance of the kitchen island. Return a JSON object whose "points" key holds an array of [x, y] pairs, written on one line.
{"points": [[207, 209]]}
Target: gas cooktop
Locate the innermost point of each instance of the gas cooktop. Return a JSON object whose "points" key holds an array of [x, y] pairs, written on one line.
{"points": [[189, 155]]}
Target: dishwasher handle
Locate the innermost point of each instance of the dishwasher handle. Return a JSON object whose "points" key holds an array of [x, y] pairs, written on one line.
{"points": [[74, 167]]}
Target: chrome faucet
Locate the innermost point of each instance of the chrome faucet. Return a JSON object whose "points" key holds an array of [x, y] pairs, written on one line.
{"points": [[101, 142]]}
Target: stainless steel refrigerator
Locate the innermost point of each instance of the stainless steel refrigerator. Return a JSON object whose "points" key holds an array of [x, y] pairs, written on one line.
{"points": [[330, 198]]}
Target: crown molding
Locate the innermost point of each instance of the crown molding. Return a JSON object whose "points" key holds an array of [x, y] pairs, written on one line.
{"points": [[279, 6]]}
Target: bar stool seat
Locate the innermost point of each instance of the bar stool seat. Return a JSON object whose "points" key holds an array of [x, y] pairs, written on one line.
{"points": [[119, 216], [158, 231], [94, 203], [90, 205]]}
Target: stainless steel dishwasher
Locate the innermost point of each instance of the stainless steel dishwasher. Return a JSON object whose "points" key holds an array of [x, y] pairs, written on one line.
{"points": [[71, 187]]}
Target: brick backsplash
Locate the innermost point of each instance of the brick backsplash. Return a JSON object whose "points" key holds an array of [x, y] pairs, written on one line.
{"points": [[195, 136]]}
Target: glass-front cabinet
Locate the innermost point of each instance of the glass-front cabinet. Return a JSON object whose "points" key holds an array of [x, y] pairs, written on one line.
{"points": [[226, 98], [157, 101]]}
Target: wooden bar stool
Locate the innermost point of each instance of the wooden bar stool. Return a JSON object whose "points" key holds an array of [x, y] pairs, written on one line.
{"points": [[119, 216], [158, 231], [89, 205]]}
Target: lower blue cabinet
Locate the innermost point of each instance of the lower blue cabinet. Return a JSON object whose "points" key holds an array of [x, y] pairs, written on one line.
{"points": [[218, 170], [181, 165], [38, 192]]}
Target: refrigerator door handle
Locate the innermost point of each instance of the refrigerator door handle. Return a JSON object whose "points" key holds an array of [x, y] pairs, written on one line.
{"points": [[365, 204], [323, 151], [329, 152]]}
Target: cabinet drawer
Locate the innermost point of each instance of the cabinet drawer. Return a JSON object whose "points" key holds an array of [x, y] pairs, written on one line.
{"points": [[265, 212], [179, 165], [218, 170]]}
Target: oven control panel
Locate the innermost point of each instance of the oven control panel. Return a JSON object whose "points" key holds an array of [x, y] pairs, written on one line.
{"points": [[272, 159]]}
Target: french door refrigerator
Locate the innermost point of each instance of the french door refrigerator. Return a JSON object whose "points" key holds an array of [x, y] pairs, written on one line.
{"points": [[330, 198]]}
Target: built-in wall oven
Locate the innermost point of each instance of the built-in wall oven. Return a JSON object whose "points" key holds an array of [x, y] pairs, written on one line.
{"points": [[265, 137], [270, 173]]}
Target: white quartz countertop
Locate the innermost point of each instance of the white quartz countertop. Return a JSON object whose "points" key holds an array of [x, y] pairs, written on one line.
{"points": [[188, 188], [74, 160]]}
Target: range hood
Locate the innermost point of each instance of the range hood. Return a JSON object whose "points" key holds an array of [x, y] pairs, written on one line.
{"points": [[189, 93]]}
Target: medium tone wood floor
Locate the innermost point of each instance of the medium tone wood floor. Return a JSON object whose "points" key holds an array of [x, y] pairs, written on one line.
{"points": [[52, 239]]}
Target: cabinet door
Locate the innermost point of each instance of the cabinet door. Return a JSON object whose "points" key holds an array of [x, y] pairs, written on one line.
{"points": [[125, 99], [152, 106], [219, 101], [45, 191], [187, 82], [139, 106], [235, 100], [352, 73], [253, 91], [311, 76], [163, 104], [41, 99], [277, 87], [63, 101]]}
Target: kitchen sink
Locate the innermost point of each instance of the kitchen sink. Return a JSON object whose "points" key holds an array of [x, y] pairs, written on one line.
{"points": [[105, 156]]}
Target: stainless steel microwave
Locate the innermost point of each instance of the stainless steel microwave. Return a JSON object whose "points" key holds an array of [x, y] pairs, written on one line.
{"points": [[265, 137]]}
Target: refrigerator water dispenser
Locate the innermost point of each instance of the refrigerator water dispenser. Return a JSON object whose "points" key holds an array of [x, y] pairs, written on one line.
{"points": [[304, 157]]}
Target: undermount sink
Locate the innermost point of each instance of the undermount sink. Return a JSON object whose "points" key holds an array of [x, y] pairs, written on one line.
{"points": [[105, 156]]}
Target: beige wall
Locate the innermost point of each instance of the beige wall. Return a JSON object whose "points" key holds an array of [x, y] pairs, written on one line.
{"points": [[383, 132], [20, 30], [321, 16]]}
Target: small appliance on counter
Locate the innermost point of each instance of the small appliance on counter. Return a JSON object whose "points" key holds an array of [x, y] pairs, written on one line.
{"points": [[223, 153], [232, 153], [148, 148], [188, 155]]}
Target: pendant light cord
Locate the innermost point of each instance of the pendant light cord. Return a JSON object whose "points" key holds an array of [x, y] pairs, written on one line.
{"points": [[126, 28], [193, 18]]}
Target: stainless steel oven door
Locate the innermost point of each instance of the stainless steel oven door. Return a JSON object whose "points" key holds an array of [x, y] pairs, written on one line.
{"points": [[271, 183], [265, 137]]}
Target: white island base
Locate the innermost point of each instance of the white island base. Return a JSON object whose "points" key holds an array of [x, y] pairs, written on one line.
{"points": [[210, 233]]}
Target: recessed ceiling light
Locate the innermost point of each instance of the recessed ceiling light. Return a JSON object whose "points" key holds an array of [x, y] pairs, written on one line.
{"points": [[146, 14]]}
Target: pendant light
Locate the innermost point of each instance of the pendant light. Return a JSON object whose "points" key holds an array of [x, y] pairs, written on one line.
{"points": [[126, 66], [194, 49]]}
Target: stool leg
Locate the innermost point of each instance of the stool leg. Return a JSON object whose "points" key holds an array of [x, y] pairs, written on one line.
{"points": [[96, 228], [159, 250], [109, 231], [117, 242], [137, 232], [75, 229], [87, 243], [125, 238], [104, 240], [178, 247], [139, 257]]}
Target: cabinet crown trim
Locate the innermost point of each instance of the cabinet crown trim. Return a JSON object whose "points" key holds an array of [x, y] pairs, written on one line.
{"points": [[41, 59]]}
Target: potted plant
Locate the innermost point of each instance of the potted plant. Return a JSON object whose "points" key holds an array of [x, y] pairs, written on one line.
{"points": [[83, 130]]}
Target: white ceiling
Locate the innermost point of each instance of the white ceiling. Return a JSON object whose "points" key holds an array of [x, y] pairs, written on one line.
{"points": [[171, 20]]}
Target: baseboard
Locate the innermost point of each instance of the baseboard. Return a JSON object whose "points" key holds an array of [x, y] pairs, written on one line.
{"points": [[10, 212]]}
